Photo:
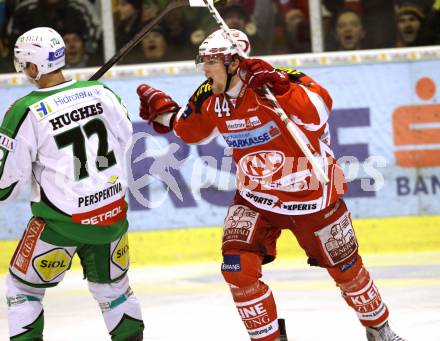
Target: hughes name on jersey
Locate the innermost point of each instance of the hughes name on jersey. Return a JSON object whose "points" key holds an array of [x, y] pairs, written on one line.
{"points": [[69, 142], [272, 172]]}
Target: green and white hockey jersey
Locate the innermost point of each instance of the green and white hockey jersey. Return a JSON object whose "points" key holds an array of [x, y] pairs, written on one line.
{"points": [[69, 141]]}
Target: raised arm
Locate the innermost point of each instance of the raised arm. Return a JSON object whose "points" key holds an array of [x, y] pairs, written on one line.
{"points": [[190, 123]]}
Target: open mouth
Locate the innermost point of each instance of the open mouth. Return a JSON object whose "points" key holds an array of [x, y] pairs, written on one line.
{"points": [[72, 54], [348, 38], [409, 34]]}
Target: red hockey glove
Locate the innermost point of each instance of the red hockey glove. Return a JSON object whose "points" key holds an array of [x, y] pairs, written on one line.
{"points": [[154, 103], [256, 73]]}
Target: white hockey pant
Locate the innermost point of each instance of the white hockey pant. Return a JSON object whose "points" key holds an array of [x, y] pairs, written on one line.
{"points": [[116, 300], [24, 305]]}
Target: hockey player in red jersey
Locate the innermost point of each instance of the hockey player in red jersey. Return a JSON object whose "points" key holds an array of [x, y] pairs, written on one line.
{"points": [[276, 185]]}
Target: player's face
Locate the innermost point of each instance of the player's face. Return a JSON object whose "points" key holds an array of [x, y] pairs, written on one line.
{"points": [[215, 71]]}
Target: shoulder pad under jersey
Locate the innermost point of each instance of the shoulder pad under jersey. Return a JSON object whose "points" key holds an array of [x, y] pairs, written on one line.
{"points": [[16, 115], [201, 94], [294, 75]]}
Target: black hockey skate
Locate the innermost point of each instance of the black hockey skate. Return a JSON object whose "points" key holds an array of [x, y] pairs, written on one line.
{"points": [[383, 333], [283, 333]]}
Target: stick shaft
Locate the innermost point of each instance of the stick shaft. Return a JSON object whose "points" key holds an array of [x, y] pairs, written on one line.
{"points": [[293, 130]]}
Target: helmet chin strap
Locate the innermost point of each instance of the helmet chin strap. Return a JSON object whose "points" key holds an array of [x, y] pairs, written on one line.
{"points": [[228, 81], [38, 76], [229, 77]]}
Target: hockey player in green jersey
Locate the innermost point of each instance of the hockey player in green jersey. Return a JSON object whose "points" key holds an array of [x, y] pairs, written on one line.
{"points": [[68, 139]]}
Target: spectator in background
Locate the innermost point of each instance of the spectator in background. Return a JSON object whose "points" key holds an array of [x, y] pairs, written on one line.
{"points": [[349, 31], [176, 27], [237, 18], [150, 9], [430, 34], [57, 14], [261, 24], [128, 20], [4, 50], [409, 18], [256, 18], [76, 56], [152, 49], [291, 33], [247, 5], [177, 30], [6, 63], [424, 5], [296, 31], [2, 14], [263, 16], [154, 46], [377, 18]]}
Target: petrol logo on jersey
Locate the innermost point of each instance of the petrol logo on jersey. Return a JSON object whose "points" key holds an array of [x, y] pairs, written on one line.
{"points": [[263, 163], [254, 137], [51, 264], [120, 255]]}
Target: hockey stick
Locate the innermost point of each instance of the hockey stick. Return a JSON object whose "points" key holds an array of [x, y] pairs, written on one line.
{"points": [[142, 33], [291, 127]]}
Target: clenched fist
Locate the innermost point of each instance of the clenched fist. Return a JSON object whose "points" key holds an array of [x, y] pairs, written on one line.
{"points": [[153, 104], [256, 73]]}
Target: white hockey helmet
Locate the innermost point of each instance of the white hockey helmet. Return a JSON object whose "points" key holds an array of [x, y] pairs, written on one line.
{"points": [[217, 46], [42, 46]]}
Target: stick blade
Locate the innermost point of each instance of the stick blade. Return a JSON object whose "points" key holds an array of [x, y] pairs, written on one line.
{"points": [[198, 3], [201, 3]]}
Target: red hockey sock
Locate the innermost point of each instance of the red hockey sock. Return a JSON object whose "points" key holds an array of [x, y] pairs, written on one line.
{"points": [[258, 311], [362, 295], [253, 298]]}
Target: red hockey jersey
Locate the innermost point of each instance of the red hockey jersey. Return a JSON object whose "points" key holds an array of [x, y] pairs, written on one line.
{"points": [[272, 172]]}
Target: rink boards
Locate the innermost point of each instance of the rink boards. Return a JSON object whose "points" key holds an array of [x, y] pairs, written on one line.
{"points": [[398, 235]]}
